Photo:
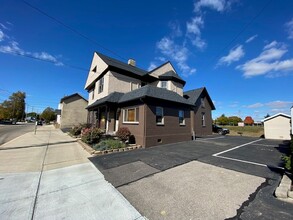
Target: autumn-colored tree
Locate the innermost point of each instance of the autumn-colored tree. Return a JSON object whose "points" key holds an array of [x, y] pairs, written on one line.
{"points": [[14, 107], [248, 120], [48, 114], [222, 120], [233, 120]]}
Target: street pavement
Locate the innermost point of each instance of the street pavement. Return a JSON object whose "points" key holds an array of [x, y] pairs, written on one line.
{"points": [[47, 175], [9, 132]]}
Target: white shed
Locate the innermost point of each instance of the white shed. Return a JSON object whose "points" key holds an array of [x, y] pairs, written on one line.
{"points": [[277, 127]]}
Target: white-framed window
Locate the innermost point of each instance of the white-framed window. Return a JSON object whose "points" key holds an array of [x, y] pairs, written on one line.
{"points": [[93, 93], [101, 85], [131, 115], [133, 86], [203, 120], [181, 117], [159, 115], [202, 102], [164, 84]]}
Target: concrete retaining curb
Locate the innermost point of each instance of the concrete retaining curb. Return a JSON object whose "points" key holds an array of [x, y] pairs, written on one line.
{"points": [[283, 191], [97, 152]]}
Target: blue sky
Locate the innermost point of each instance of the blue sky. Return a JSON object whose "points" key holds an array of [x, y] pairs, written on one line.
{"points": [[240, 50]]}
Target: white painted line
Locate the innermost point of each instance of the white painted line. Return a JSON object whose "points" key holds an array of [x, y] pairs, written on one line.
{"points": [[225, 151], [249, 162]]}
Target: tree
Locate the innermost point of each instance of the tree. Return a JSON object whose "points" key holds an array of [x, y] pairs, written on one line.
{"points": [[222, 120], [248, 120], [233, 120], [48, 114], [267, 116], [14, 107]]}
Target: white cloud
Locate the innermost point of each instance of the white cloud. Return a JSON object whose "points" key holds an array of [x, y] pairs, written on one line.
{"points": [[12, 47], [218, 5], [152, 66], [176, 29], [2, 35], [177, 53], [251, 38], [162, 59], [268, 62], [234, 55], [193, 32], [289, 26], [256, 105], [279, 104], [195, 25]]}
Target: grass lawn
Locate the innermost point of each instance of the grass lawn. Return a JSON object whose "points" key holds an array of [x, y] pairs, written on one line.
{"points": [[251, 131]]}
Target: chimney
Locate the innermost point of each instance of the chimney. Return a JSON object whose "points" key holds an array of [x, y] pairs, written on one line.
{"points": [[131, 62]]}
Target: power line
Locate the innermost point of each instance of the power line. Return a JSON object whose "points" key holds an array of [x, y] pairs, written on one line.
{"points": [[244, 28], [71, 29], [48, 61]]}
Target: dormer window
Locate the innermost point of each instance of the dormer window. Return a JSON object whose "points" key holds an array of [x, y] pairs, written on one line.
{"points": [[164, 84]]}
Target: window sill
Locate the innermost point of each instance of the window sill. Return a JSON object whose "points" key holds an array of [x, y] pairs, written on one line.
{"points": [[129, 122], [160, 124], [182, 125]]}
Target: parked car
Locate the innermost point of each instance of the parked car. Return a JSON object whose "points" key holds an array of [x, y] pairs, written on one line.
{"points": [[220, 130], [40, 122]]}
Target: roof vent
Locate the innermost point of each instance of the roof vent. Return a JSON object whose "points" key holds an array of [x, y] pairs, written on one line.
{"points": [[131, 62]]}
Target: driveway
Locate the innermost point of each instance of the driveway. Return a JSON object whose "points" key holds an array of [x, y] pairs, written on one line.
{"points": [[219, 177]]}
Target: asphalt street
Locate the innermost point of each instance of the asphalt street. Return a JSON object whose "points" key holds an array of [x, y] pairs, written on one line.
{"points": [[9, 132], [250, 156]]}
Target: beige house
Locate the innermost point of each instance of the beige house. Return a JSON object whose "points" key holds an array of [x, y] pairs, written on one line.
{"points": [[72, 111], [151, 104], [277, 127]]}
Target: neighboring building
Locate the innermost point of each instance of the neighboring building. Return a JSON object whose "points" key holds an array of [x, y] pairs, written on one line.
{"points": [[72, 111], [203, 105], [151, 104], [277, 127]]}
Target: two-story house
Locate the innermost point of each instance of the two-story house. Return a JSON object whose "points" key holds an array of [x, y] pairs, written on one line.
{"points": [[151, 104]]}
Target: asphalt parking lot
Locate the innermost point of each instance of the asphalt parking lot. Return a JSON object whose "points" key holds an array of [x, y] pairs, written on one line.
{"points": [[243, 155]]}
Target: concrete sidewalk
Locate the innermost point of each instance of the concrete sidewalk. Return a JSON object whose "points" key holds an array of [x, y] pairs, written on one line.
{"points": [[47, 176]]}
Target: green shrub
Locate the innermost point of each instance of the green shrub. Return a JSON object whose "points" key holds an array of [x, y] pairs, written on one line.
{"points": [[91, 135], [123, 133], [288, 159], [109, 144]]}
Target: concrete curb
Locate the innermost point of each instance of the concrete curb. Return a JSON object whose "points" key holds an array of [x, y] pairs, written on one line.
{"points": [[97, 152], [283, 191]]}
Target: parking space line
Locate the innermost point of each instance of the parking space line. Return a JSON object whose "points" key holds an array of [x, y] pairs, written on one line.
{"points": [[249, 162], [265, 145], [225, 151], [245, 161]]}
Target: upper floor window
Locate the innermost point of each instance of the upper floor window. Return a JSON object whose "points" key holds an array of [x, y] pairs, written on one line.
{"points": [[203, 119], [181, 117], [164, 84], [134, 86], [93, 93], [202, 102], [159, 115], [101, 85], [131, 115]]}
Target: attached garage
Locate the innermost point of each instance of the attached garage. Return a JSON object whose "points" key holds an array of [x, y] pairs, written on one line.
{"points": [[277, 127]]}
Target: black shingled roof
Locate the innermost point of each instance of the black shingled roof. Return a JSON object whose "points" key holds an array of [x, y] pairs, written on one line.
{"points": [[111, 98], [120, 65], [194, 95], [173, 76], [154, 92]]}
